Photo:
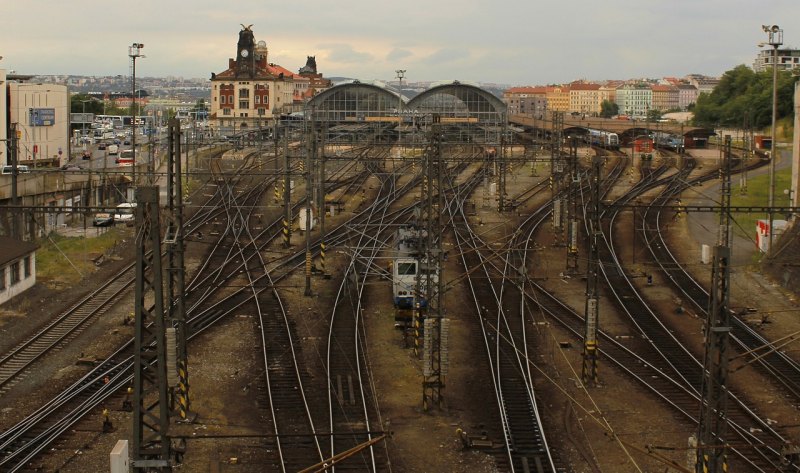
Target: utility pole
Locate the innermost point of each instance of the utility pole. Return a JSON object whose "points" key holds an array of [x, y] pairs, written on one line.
{"points": [[151, 443], [556, 176], [311, 150], [176, 271], [711, 448], [775, 40], [589, 369], [287, 191], [13, 146], [435, 326], [573, 185], [134, 52]]}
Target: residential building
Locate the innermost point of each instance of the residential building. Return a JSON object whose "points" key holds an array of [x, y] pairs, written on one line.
{"points": [[557, 98], [40, 113], [17, 267], [634, 100], [704, 84], [687, 95], [584, 99], [607, 93], [528, 101], [787, 59], [665, 97]]}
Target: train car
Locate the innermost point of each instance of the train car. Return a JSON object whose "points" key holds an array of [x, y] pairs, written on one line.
{"points": [[603, 139], [668, 141], [407, 267]]}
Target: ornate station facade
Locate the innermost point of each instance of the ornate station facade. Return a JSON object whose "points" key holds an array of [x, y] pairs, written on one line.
{"points": [[252, 91]]}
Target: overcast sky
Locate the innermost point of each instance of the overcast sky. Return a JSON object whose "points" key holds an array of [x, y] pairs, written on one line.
{"points": [[517, 42]]}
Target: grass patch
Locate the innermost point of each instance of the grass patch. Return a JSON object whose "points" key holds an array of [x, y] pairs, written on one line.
{"points": [[758, 194], [65, 261]]}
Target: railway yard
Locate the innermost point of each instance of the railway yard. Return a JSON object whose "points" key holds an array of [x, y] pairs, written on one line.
{"points": [[299, 357]]}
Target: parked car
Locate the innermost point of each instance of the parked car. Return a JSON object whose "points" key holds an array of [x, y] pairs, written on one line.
{"points": [[86, 155], [103, 219], [127, 142], [125, 212], [101, 146], [117, 142]]}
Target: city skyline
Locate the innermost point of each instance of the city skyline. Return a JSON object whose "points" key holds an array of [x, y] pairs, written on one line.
{"points": [[516, 43]]}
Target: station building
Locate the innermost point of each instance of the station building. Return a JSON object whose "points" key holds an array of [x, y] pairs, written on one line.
{"points": [[253, 91]]}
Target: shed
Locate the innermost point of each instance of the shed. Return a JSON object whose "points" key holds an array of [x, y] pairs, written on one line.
{"points": [[17, 267]]}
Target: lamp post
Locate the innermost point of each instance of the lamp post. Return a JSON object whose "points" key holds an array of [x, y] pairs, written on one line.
{"points": [[775, 40], [134, 51], [83, 123], [400, 74]]}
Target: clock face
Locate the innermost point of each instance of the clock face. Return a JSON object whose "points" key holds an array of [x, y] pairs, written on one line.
{"points": [[244, 52]]}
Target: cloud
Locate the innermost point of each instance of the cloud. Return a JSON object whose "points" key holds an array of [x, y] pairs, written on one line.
{"points": [[446, 56], [397, 54], [345, 54]]}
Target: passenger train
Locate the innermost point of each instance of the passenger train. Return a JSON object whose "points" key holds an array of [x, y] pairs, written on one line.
{"points": [[407, 267], [668, 140], [603, 139]]}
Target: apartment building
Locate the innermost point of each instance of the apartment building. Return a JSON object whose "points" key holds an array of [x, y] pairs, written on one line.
{"points": [[634, 100], [584, 98], [665, 97]]}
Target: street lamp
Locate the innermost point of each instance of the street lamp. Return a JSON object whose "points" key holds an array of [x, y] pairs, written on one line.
{"points": [[775, 39], [134, 51], [83, 123]]}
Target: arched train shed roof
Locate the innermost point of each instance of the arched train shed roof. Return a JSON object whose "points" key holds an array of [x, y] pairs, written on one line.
{"points": [[364, 101], [474, 100]]}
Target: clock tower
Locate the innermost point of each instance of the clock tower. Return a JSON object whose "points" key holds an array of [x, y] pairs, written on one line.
{"points": [[245, 52]]}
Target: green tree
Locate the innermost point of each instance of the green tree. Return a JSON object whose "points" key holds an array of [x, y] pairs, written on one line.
{"points": [[653, 115], [745, 95], [91, 105], [608, 109]]}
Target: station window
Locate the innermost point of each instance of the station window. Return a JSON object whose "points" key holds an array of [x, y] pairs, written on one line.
{"points": [[244, 104], [2, 278], [14, 272], [26, 266], [262, 111], [226, 111], [244, 93], [222, 99]]}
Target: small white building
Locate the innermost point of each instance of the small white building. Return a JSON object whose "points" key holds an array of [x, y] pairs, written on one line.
{"points": [[17, 267]]}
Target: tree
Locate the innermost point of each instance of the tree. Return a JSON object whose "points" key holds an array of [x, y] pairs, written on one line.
{"points": [[743, 93], [608, 109], [91, 105], [653, 115]]}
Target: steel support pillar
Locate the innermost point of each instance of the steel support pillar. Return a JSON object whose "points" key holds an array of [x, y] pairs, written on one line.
{"points": [[592, 307], [431, 267], [573, 186], [176, 269], [711, 448], [151, 443]]}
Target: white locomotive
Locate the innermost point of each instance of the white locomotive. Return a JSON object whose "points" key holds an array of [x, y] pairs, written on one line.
{"points": [[409, 269]]}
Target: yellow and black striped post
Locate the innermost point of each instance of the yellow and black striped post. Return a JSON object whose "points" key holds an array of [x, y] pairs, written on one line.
{"points": [[417, 351], [322, 255], [286, 235], [183, 387]]}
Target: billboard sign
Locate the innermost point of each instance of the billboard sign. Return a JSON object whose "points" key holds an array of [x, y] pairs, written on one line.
{"points": [[42, 116]]}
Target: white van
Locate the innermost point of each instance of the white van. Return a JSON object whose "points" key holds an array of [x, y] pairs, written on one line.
{"points": [[125, 212], [21, 168], [112, 149]]}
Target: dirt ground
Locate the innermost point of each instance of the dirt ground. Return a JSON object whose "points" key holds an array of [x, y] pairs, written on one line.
{"points": [[602, 429]]}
